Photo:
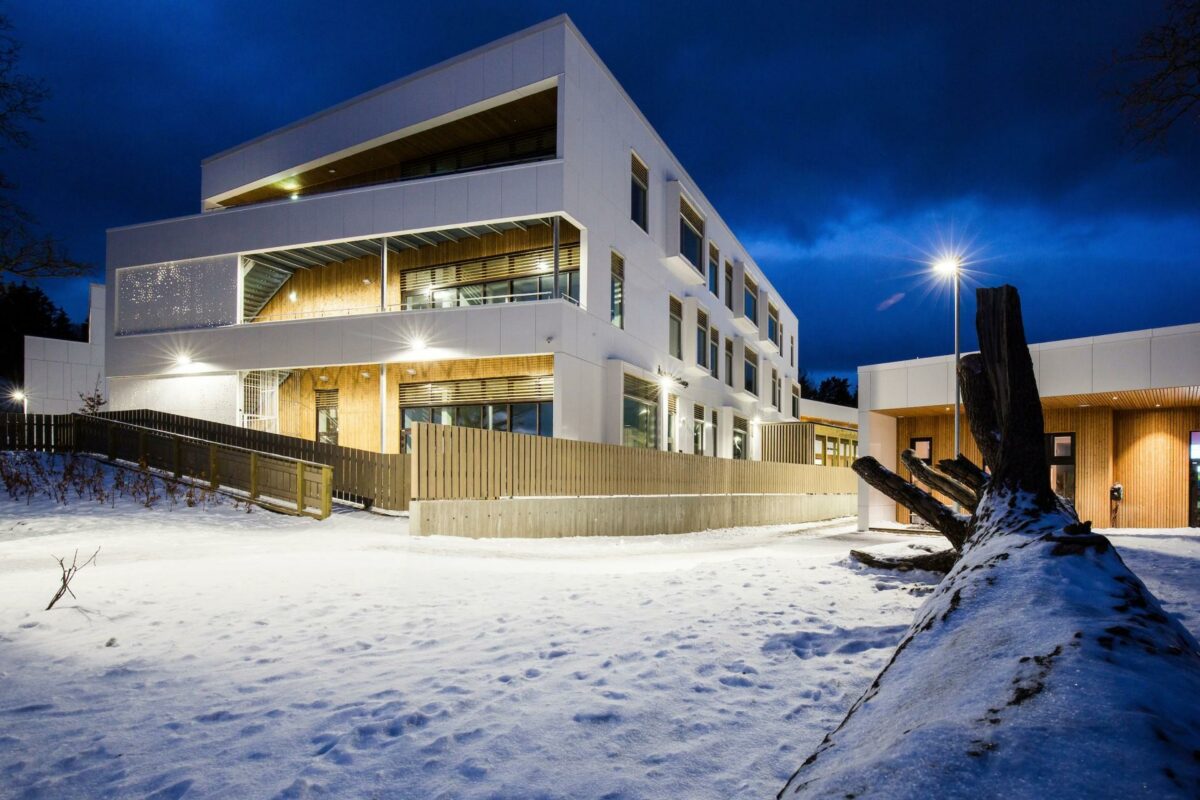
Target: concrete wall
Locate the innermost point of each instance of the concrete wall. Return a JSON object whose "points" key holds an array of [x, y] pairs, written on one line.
{"points": [[57, 371], [619, 516], [211, 397]]}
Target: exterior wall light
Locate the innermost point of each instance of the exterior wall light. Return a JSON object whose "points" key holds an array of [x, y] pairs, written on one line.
{"points": [[292, 295], [183, 360]]}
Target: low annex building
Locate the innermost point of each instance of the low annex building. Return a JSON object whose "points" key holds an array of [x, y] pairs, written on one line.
{"points": [[1122, 417], [500, 241]]}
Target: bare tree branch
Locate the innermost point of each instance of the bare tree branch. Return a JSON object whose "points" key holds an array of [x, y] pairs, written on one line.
{"points": [[949, 524], [1167, 60], [68, 574], [938, 482], [964, 470]]}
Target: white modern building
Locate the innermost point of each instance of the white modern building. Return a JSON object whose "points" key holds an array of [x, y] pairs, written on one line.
{"points": [[1121, 411], [498, 241]]}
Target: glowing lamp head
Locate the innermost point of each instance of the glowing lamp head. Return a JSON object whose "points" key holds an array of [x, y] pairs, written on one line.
{"points": [[183, 360], [947, 265], [418, 345], [18, 396], [292, 296]]}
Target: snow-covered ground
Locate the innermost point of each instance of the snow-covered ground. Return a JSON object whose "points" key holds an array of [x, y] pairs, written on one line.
{"points": [[214, 653]]}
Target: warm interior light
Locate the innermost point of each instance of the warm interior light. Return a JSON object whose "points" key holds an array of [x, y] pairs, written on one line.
{"points": [[323, 377], [295, 195], [290, 185]]}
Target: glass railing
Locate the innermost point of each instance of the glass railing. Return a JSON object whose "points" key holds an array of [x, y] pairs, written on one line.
{"points": [[427, 303]]}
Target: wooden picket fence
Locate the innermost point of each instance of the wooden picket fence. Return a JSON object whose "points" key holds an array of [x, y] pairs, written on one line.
{"points": [[452, 463], [279, 482], [377, 480]]}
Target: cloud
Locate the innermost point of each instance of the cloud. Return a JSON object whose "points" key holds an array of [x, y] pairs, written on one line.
{"points": [[891, 301]]}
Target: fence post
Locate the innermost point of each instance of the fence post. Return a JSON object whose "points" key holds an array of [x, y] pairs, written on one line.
{"points": [[300, 487], [326, 491], [214, 481], [253, 475]]}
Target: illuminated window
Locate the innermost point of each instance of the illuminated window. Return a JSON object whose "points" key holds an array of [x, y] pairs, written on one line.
{"points": [[1060, 455], [1195, 446], [327, 416], [639, 193], [639, 413], [691, 235], [616, 301], [741, 439], [675, 327], [701, 339]]}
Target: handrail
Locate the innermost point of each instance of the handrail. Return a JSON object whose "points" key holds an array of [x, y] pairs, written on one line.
{"points": [[197, 439]]}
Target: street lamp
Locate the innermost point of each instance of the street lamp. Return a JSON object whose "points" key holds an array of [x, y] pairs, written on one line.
{"points": [[22, 398], [950, 266]]}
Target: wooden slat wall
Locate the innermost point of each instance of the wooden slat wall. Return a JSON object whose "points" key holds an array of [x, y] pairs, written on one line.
{"points": [[788, 442], [451, 463], [1151, 462], [1093, 429]]}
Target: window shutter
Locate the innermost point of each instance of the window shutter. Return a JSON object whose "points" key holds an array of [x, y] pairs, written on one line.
{"points": [[639, 170], [618, 265], [515, 389]]}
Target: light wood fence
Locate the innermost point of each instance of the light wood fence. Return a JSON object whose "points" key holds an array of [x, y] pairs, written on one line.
{"points": [[452, 463], [286, 484], [377, 480]]}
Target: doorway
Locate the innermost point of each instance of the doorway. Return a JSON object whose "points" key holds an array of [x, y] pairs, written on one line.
{"points": [[1194, 481]]}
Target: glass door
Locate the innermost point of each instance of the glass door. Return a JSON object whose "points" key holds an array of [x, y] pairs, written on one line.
{"points": [[1194, 481]]}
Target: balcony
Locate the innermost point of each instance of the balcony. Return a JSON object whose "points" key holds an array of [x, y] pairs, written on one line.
{"points": [[507, 262]]}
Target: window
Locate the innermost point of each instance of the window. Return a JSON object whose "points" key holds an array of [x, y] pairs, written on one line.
{"points": [[675, 328], [1060, 455], [750, 383], [534, 419], [714, 269], [796, 402], [327, 416], [741, 439], [616, 300], [691, 235], [729, 286], [750, 300], [792, 351], [639, 413], [923, 447], [729, 362], [701, 339], [515, 290], [1194, 446], [714, 351], [639, 193], [776, 390], [773, 331], [672, 422], [716, 430], [698, 438]]}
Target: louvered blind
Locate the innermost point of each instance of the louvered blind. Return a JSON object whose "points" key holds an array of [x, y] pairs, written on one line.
{"points": [[486, 390], [618, 265], [694, 219], [676, 308], [714, 255], [479, 270], [640, 389], [701, 319], [327, 398], [698, 413], [639, 170], [672, 404]]}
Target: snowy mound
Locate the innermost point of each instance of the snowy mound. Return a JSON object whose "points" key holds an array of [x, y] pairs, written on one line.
{"points": [[1040, 667]]}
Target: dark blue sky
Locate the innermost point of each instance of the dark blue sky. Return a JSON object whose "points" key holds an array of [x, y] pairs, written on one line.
{"points": [[841, 141]]}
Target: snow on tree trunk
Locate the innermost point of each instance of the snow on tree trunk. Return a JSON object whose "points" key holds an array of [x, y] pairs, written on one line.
{"points": [[1041, 666]]}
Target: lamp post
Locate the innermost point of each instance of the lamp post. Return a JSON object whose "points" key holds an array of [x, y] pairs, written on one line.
{"points": [[23, 399], [951, 267]]}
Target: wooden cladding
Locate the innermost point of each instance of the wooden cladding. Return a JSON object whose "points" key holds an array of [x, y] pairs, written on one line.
{"points": [[788, 442], [481, 270], [470, 464], [529, 388], [1143, 450]]}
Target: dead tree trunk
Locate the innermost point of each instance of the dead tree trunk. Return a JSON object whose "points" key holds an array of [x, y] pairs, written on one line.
{"points": [[1039, 635]]}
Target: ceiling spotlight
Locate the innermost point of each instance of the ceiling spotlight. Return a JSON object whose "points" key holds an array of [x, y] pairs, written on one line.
{"points": [[295, 195], [411, 371], [290, 185], [364, 374], [292, 295], [366, 281], [323, 377]]}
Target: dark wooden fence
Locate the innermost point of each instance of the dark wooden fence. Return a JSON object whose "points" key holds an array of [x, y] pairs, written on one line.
{"points": [[276, 481], [377, 480]]}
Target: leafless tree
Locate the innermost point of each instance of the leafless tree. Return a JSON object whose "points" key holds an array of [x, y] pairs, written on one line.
{"points": [[68, 574], [1166, 63], [25, 252], [94, 400]]}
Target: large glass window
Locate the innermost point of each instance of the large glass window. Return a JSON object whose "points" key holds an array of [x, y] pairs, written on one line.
{"points": [[776, 390], [1060, 455], [714, 351], [774, 332], [796, 402], [529, 287], [675, 327], [639, 413], [750, 376], [529, 418], [741, 439], [729, 286], [1194, 446], [750, 300], [698, 431], [639, 193], [616, 300], [701, 339], [714, 270], [729, 362], [327, 416], [691, 235]]}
